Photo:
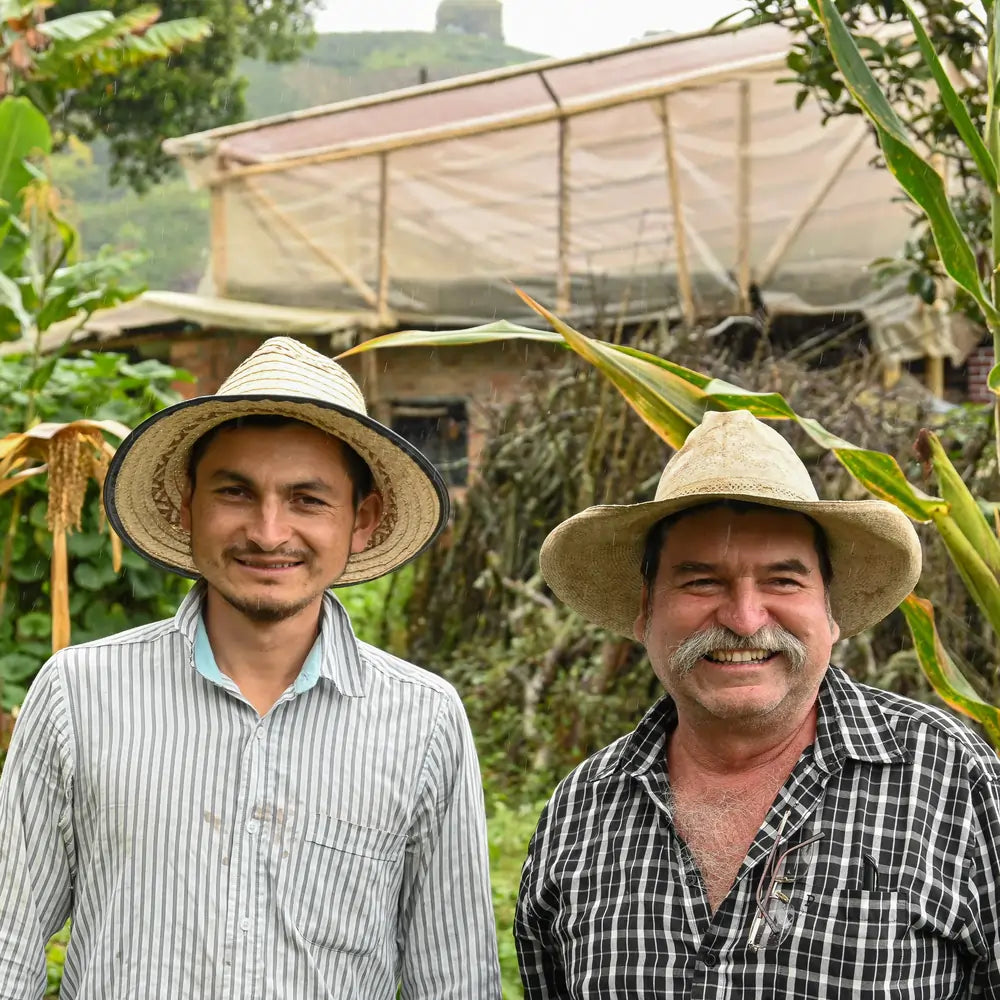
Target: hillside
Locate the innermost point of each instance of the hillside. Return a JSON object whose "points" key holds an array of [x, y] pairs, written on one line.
{"points": [[170, 223], [343, 66]]}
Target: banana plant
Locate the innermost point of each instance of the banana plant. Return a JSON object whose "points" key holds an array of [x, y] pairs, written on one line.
{"points": [[46, 60]]}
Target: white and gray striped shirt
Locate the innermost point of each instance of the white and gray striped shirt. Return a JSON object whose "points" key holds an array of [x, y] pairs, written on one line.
{"points": [[331, 849]]}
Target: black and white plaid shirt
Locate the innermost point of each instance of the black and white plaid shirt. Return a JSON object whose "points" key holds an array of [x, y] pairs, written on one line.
{"points": [[611, 906]]}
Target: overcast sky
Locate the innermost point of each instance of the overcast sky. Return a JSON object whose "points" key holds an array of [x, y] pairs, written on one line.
{"points": [[550, 27]]}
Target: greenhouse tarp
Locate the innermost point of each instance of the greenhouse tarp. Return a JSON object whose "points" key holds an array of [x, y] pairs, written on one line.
{"points": [[672, 174]]}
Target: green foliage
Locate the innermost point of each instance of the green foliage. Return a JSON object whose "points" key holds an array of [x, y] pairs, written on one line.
{"points": [[42, 281], [100, 386], [55, 958], [510, 829], [897, 59], [378, 609], [200, 88]]}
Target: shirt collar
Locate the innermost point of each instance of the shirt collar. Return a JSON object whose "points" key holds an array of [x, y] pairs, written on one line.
{"points": [[849, 725], [335, 656]]}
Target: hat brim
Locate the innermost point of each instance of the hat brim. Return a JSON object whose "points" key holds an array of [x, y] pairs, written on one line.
{"points": [[148, 474], [592, 561]]}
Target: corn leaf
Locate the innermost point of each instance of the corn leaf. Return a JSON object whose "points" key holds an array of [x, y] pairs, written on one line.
{"points": [[946, 679], [500, 330], [956, 108], [669, 404], [993, 379], [692, 377], [979, 580], [916, 176], [963, 508]]}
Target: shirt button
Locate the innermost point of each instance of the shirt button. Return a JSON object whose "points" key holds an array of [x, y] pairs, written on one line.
{"points": [[709, 958], [245, 924], [260, 735], [252, 826]]}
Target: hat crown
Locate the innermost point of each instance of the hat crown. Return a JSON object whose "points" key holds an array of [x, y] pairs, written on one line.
{"points": [[282, 366], [734, 453]]}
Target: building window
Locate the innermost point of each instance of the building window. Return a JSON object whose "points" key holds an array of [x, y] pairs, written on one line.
{"points": [[440, 429]]}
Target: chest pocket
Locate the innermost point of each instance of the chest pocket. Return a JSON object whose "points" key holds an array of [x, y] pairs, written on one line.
{"points": [[345, 886], [860, 944]]}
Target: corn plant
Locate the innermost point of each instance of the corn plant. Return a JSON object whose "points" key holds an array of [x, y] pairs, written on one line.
{"points": [[672, 399]]}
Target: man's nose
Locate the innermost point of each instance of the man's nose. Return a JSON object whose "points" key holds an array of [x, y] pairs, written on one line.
{"points": [[268, 527], [743, 610]]}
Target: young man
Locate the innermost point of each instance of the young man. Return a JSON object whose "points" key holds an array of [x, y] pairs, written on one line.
{"points": [[771, 828], [245, 800]]}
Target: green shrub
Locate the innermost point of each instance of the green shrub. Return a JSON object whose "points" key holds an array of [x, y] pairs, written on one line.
{"points": [[94, 386]]}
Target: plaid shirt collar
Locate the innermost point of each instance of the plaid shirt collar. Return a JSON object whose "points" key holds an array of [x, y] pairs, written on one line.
{"points": [[847, 727]]}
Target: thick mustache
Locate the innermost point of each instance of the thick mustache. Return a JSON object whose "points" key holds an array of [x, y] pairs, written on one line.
{"points": [[683, 657]]}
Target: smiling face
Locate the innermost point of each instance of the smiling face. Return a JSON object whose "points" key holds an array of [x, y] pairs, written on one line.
{"points": [[272, 518], [737, 626]]}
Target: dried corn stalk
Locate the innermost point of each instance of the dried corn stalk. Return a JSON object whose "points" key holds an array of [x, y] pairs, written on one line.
{"points": [[71, 454]]}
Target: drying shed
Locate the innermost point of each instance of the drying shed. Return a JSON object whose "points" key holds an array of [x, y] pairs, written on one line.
{"points": [[674, 174]]}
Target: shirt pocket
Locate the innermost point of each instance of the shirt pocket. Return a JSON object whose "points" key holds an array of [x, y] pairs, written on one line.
{"points": [[850, 943], [346, 883]]}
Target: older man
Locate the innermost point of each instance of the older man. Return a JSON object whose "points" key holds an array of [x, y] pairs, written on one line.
{"points": [[771, 828], [244, 800]]}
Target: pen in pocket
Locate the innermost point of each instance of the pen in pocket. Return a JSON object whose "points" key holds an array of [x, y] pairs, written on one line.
{"points": [[869, 874]]}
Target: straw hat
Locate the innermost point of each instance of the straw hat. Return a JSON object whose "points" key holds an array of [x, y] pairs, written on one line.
{"points": [[592, 560], [148, 473]]}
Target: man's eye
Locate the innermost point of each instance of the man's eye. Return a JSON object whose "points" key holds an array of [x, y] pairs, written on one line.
{"points": [[786, 581], [231, 491], [310, 501], [700, 584]]}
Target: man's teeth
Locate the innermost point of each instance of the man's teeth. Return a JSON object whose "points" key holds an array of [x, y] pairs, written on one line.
{"points": [[266, 565], [739, 655]]}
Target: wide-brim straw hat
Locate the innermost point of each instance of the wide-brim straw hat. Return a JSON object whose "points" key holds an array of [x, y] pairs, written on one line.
{"points": [[592, 561], [148, 474]]}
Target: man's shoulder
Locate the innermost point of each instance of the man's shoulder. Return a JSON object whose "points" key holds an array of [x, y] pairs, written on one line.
{"points": [[140, 635], [924, 731], [591, 777], [393, 671]]}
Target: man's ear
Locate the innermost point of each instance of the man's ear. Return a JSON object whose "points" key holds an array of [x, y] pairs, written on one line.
{"points": [[639, 628], [366, 519]]}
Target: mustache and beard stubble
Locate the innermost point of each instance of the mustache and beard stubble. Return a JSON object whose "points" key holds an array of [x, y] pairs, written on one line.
{"points": [[684, 657]]}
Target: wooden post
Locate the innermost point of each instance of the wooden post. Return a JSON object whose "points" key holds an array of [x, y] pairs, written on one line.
{"points": [[563, 298], [383, 239], [892, 370], [743, 195], [677, 209], [379, 407], [218, 236], [934, 375]]}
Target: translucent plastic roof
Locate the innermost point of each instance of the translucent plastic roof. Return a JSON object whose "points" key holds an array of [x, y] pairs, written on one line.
{"points": [[672, 174]]}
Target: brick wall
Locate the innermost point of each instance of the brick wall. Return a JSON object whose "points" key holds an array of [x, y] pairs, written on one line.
{"points": [[210, 361], [978, 366]]}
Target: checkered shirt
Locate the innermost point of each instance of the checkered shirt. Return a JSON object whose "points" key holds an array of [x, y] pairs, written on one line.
{"points": [[611, 905]]}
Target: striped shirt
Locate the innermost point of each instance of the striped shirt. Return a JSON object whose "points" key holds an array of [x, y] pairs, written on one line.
{"points": [[900, 899], [334, 848]]}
